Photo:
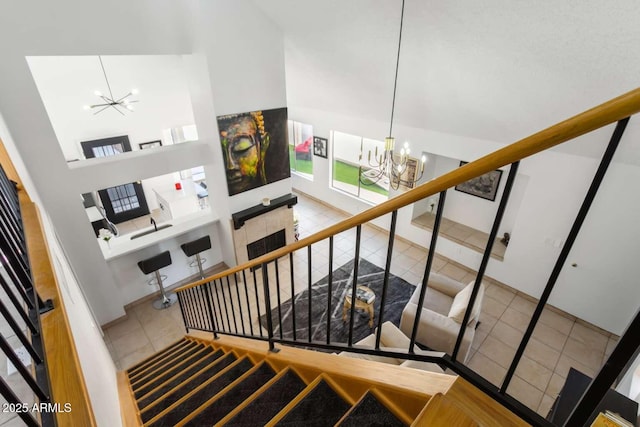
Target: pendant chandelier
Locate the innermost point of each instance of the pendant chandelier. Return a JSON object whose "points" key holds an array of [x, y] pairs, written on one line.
{"points": [[120, 105], [386, 167]]}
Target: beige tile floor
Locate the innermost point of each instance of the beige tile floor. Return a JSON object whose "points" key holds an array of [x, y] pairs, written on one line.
{"points": [[560, 341]]}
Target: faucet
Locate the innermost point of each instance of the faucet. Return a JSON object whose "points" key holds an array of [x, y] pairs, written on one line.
{"points": [[153, 222]]}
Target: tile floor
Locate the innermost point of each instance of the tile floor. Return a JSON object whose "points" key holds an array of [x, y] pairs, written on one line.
{"points": [[559, 341]]}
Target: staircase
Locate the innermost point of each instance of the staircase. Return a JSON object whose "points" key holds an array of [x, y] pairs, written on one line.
{"points": [[238, 382]]}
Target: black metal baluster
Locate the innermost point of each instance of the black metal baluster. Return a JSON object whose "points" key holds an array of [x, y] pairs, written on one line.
{"points": [[278, 296], [309, 279], [11, 398], [427, 269], [246, 295], [221, 305], [566, 248], [19, 286], [189, 306], [224, 304], [181, 305], [24, 372], [329, 290], [255, 287], [199, 307], [202, 304], [385, 280], [267, 307], [620, 360], [504, 200], [293, 296], [18, 331], [25, 316], [235, 280], [216, 308], [354, 284], [233, 311]]}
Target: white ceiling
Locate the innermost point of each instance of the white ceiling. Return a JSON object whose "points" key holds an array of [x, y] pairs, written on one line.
{"points": [[496, 70]]}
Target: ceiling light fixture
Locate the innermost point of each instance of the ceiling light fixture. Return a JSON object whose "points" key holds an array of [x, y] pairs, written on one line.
{"points": [[109, 101], [384, 167]]}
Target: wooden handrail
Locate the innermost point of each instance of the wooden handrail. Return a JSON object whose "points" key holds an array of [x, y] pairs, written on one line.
{"points": [[588, 121]]}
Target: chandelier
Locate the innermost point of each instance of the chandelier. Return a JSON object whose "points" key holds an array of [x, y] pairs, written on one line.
{"points": [[387, 168], [119, 104]]}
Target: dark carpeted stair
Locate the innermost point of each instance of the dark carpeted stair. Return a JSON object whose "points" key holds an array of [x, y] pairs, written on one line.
{"points": [[321, 407], [139, 366], [173, 397], [204, 394], [165, 371], [232, 398], [270, 402], [370, 412], [154, 366], [175, 381]]}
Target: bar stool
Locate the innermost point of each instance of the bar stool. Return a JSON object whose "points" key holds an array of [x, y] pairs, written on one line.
{"points": [[153, 265], [194, 248]]}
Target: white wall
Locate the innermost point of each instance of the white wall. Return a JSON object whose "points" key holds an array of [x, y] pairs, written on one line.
{"points": [[550, 188], [144, 28]]}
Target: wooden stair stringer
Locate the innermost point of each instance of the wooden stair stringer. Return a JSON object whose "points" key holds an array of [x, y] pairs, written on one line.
{"points": [[480, 407], [128, 407], [442, 412]]}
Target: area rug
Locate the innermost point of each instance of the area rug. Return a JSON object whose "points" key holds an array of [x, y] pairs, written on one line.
{"points": [[398, 294]]}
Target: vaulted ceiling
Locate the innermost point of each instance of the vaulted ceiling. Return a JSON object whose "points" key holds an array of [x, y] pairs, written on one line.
{"points": [[497, 70]]}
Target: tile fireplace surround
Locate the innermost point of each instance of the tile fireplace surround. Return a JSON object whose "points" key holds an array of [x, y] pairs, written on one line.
{"points": [[260, 227]]}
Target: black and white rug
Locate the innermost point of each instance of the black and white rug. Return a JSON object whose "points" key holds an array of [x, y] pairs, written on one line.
{"points": [[398, 294]]}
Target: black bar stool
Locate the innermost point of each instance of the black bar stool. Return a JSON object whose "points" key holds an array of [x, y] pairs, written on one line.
{"points": [[153, 265], [194, 248]]}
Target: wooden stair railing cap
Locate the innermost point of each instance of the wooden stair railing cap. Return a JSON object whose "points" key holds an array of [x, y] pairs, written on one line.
{"points": [[604, 114]]}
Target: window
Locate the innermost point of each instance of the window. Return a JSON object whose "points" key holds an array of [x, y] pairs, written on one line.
{"points": [[301, 148], [347, 164]]}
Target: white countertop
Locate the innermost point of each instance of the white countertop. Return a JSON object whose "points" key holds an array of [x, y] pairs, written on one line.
{"points": [[123, 244]]}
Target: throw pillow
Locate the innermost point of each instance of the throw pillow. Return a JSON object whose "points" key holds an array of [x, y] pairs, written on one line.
{"points": [[461, 301]]}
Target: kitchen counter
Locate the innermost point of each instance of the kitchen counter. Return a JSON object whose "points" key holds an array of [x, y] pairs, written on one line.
{"points": [[123, 245]]}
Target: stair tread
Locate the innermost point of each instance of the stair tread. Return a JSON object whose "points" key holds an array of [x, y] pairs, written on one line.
{"points": [[268, 404], [370, 412], [232, 398], [321, 407], [222, 363], [202, 395], [133, 377], [157, 374], [157, 356], [184, 374]]}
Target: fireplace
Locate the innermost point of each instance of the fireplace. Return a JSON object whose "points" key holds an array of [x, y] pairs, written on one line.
{"points": [[260, 229], [266, 244]]}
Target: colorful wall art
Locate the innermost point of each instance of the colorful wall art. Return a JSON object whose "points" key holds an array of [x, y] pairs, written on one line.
{"points": [[255, 148]]}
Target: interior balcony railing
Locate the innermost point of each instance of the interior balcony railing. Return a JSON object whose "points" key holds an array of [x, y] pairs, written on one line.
{"points": [[21, 314], [47, 387], [229, 302]]}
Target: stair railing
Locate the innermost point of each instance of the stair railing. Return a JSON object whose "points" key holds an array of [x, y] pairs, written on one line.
{"points": [[22, 315], [211, 304]]}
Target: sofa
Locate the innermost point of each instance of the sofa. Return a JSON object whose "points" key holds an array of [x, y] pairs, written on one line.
{"points": [[442, 313], [392, 339]]}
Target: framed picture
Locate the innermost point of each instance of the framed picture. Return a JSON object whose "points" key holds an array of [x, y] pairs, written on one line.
{"points": [[151, 144], [320, 147], [485, 186]]}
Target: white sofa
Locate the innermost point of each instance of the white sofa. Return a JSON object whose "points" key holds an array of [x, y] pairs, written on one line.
{"points": [[442, 313], [392, 339]]}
